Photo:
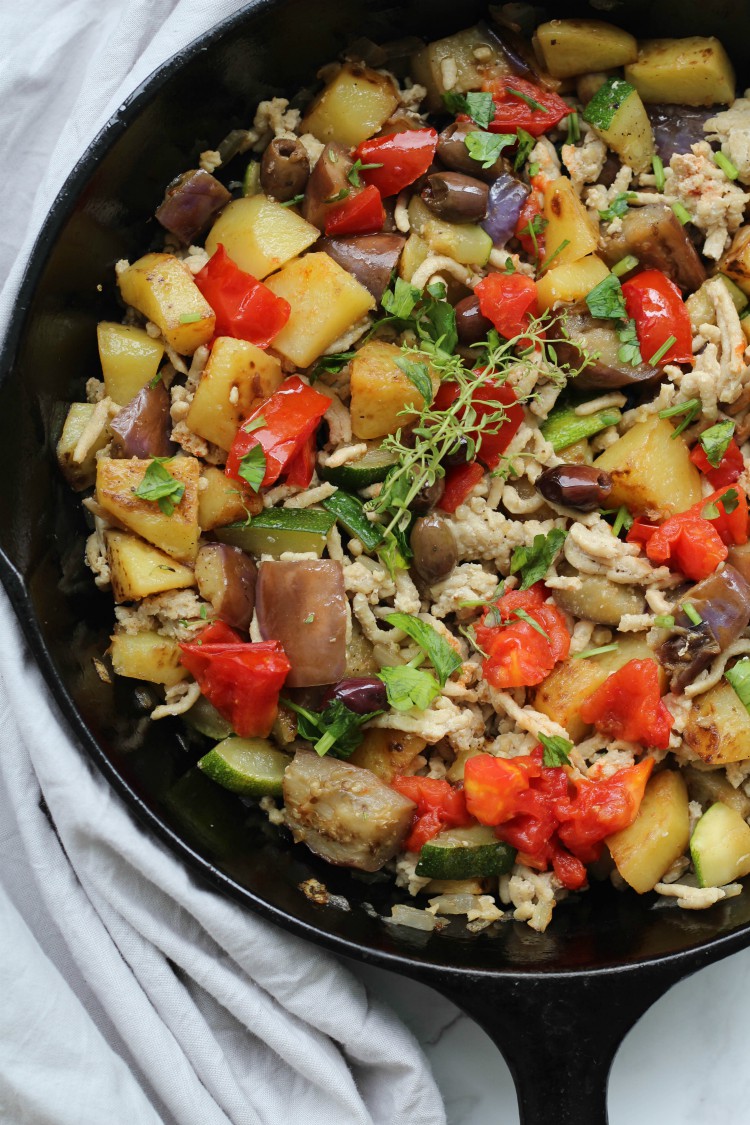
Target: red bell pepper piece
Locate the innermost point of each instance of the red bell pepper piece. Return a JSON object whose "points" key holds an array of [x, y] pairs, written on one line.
{"points": [[488, 398], [731, 526], [509, 300], [459, 481], [656, 305], [241, 679], [245, 308], [404, 158], [628, 705], [530, 212], [689, 544], [300, 469], [290, 417], [535, 110], [361, 212], [728, 470], [518, 654], [439, 806], [641, 530]]}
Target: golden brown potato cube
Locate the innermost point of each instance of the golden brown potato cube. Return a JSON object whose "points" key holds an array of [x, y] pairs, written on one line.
{"points": [[129, 357], [690, 71], [567, 222], [651, 470], [325, 301], [162, 288], [572, 47], [79, 474], [176, 534], [147, 656], [222, 501], [260, 235], [383, 397], [718, 728], [237, 378], [352, 107], [571, 282], [387, 753], [658, 836], [137, 569]]}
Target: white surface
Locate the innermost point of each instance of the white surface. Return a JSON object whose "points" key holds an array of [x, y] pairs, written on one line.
{"points": [[685, 1064]]}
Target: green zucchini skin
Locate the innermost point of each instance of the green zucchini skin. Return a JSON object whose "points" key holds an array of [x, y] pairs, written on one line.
{"points": [[465, 853], [373, 468], [600, 111]]}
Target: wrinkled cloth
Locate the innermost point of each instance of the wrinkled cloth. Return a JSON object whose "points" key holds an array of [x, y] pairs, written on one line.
{"points": [[129, 992]]}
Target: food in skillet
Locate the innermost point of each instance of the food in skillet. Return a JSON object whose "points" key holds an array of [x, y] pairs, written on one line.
{"points": [[419, 467]]}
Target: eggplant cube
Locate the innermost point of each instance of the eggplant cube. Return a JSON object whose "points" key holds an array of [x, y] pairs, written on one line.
{"points": [[226, 578]]}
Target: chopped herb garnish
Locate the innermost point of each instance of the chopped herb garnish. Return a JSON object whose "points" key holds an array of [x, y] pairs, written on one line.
{"points": [[155, 381], [341, 194], [478, 106], [309, 619], [618, 206], [443, 658], [253, 424], [664, 621], [400, 301], [533, 562], [662, 351], [293, 201], [510, 266], [625, 265], [682, 213], [419, 375], [723, 162], [486, 147], [190, 318], [533, 229], [353, 174], [408, 686], [471, 637], [739, 678], [691, 409], [522, 615], [574, 128], [532, 103], [658, 166], [525, 144], [596, 651], [556, 750], [623, 521], [629, 350], [691, 613], [204, 612], [533, 169], [160, 487], [729, 502], [252, 467], [715, 441], [336, 728], [558, 250], [605, 301]]}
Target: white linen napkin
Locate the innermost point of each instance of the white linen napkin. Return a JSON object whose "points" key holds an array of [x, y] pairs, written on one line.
{"points": [[128, 992]]}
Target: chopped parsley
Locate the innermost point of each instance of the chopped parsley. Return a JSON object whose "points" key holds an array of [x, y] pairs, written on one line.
{"points": [[353, 174], [618, 206], [336, 728], [662, 351], [159, 487], [252, 467], [715, 441], [556, 750], [532, 103], [533, 562], [691, 409], [606, 301], [525, 144], [408, 686], [486, 147], [478, 106], [418, 374], [596, 651], [444, 659]]}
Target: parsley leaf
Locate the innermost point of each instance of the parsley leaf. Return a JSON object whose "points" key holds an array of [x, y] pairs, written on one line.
{"points": [[533, 562], [729, 502], [618, 206], [293, 201], [401, 300], [443, 658], [336, 728], [715, 441], [522, 615], [419, 375], [630, 350], [353, 174], [252, 467], [486, 147], [605, 301], [409, 687], [525, 144], [478, 106], [160, 487], [556, 750], [532, 103], [392, 553], [342, 193]]}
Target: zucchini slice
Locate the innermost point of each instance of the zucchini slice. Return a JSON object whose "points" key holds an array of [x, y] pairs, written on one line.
{"points": [[350, 512], [373, 468], [251, 766], [720, 846], [619, 117], [564, 427], [280, 529], [465, 853], [204, 718]]}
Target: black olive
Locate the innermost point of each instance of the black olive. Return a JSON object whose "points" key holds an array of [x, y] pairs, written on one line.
{"points": [[361, 694], [458, 454], [455, 197], [471, 326], [583, 487], [453, 153], [434, 547], [284, 169], [428, 496]]}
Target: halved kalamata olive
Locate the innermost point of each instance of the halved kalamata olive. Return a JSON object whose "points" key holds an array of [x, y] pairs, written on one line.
{"points": [[190, 202], [284, 169], [142, 427], [657, 238], [455, 197], [470, 324], [583, 487], [458, 454], [434, 547], [428, 496], [302, 603], [452, 151], [361, 694], [226, 578], [371, 258], [328, 179]]}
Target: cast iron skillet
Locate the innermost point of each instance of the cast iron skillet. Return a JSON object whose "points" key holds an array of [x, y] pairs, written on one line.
{"points": [[557, 1004]]}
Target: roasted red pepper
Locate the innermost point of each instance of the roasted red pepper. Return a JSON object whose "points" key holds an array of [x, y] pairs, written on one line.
{"points": [[687, 543], [641, 530], [520, 104], [521, 654], [439, 805], [488, 398], [726, 472], [290, 417], [241, 679], [509, 300], [732, 526], [300, 469], [245, 308], [361, 212], [459, 481], [404, 158], [656, 305], [530, 220], [628, 706]]}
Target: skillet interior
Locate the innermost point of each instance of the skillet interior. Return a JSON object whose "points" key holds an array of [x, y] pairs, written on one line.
{"points": [[102, 215]]}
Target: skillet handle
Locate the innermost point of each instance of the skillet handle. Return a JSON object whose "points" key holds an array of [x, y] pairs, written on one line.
{"points": [[559, 1034]]}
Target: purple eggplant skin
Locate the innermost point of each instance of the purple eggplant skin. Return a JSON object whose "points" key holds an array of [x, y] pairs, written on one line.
{"points": [[142, 427], [604, 369], [284, 169], [370, 258], [328, 179], [302, 603], [722, 601], [506, 199], [678, 127], [190, 202], [657, 238], [226, 578]]}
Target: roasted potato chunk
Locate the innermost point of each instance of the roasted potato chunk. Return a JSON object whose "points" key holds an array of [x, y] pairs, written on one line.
{"points": [[147, 656], [352, 107], [175, 534], [237, 378], [718, 728], [383, 398], [161, 288], [137, 569], [651, 469]]}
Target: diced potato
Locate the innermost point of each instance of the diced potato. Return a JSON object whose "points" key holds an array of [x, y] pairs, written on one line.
{"points": [[222, 501], [567, 222], [177, 535], [383, 398], [571, 47], [352, 107], [651, 470], [137, 569], [736, 261], [570, 684], [451, 64], [129, 359], [690, 71], [161, 288], [79, 474], [325, 302], [657, 837], [455, 771], [619, 117], [147, 656], [579, 453], [233, 366], [718, 727], [360, 654], [387, 753], [571, 282], [260, 235], [415, 252]]}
